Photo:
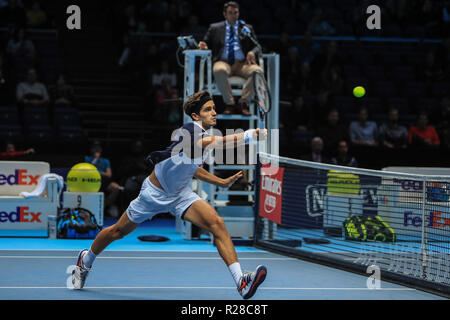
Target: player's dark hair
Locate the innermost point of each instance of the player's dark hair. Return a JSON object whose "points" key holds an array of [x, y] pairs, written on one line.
{"points": [[195, 102], [230, 4]]}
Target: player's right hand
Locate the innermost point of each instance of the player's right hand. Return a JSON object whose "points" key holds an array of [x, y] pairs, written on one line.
{"points": [[202, 45]]}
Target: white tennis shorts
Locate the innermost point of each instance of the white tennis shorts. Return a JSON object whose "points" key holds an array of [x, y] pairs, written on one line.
{"points": [[153, 200]]}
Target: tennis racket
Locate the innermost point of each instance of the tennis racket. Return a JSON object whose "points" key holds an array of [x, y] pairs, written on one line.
{"points": [[261, 97], [262, 100]]}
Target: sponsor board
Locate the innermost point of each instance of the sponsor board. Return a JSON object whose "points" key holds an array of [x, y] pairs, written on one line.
{"points": [[18, 176], [271, 193]]}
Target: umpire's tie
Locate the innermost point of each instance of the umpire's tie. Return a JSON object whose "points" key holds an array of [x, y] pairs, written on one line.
{"points": [[230, 45]]}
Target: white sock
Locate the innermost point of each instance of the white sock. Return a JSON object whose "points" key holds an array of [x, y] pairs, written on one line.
{"points": [[236, 272], [88, 259]]}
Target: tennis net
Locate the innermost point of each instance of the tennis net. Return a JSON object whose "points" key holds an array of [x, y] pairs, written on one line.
{"points": [[355, 218]]}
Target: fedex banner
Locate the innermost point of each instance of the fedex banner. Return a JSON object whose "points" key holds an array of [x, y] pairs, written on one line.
{"points": [[18, 176], [271, 192], [26, 216]]}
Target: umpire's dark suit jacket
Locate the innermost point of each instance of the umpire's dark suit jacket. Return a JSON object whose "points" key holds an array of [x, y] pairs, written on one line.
{"points": [[215, 39]]}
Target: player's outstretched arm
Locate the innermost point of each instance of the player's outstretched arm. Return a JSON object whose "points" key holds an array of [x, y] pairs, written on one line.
{"points": [[234, 140], [206, 176]]}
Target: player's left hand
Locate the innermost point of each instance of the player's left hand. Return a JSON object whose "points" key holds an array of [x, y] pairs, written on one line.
{"points": [[261, 134], [228, 182]]}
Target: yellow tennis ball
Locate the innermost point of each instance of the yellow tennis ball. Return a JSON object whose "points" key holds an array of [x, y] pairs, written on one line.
{"points": [[84, 177], [359, 91]]}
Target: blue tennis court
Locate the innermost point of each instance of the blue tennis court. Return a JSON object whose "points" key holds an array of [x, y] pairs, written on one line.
{"points": [[35, 269]]}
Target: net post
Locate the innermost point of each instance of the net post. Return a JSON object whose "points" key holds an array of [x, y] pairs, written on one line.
{"points": [[423, 246]]}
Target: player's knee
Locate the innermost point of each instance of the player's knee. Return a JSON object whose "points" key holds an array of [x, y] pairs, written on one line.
{"points": [[220, 73], [217, 225]]}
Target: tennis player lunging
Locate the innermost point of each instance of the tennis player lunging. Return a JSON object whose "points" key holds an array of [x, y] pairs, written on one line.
{"points": [[167, 189]]}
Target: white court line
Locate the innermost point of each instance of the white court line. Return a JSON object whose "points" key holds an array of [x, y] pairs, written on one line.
{"points": [[136, 250], [234, 288], [144, 258]]}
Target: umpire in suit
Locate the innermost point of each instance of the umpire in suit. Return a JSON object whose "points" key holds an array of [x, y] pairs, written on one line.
{"points": [[233, 53]]}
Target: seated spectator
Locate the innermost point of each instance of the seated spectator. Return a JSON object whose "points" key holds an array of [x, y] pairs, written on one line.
{"points": [[319, 26], [443, 124], [299, 117], [343, 158], [133, 170], [4, 94], [327, 59], [433, 70], [31, 92], [62, 93], [363, 132], [165, 93], [11, 153], [332, 80], [111, 188], [308, 49], [332, 132], [392, 135], [321, 107], [316, 152], [423, 135], [164, 73], [36, 17], [21, 52]]}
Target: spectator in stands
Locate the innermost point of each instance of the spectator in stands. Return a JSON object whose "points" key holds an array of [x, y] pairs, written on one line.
{"points": [[284, 44], [308, 49], [193, 28], [321, 106], [21, 52], [164, 73], [3, 82], [443, 55], [332, 81], [430, 16], [363, 132], [433, 69], [325, 61], [11, 152], [332, 132], [343, 158], [292, 73], [423, 135], [165, 107], [133, 170], [234, 57], [443, 125], [300, 116], [62, 93], [392, 134], [318, 26], [36, 17], [316, 152], [31, 92], [111, 188]]}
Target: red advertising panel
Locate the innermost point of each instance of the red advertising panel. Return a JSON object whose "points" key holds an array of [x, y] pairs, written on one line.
{"points": [[271, 192]]}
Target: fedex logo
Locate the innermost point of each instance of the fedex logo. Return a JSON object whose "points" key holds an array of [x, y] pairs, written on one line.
{"points": [[20, 177], [434, 220], [20, 215]]}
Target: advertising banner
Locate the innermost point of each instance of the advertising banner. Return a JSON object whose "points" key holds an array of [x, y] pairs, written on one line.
{"points": [[271, 193]]}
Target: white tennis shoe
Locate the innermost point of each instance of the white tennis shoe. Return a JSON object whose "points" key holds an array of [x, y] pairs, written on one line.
{"points": [[80, 273], [250, 281]]}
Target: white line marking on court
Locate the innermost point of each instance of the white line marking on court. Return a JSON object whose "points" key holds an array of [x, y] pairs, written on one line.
{"points": [[234, 288], [144, 258]]}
